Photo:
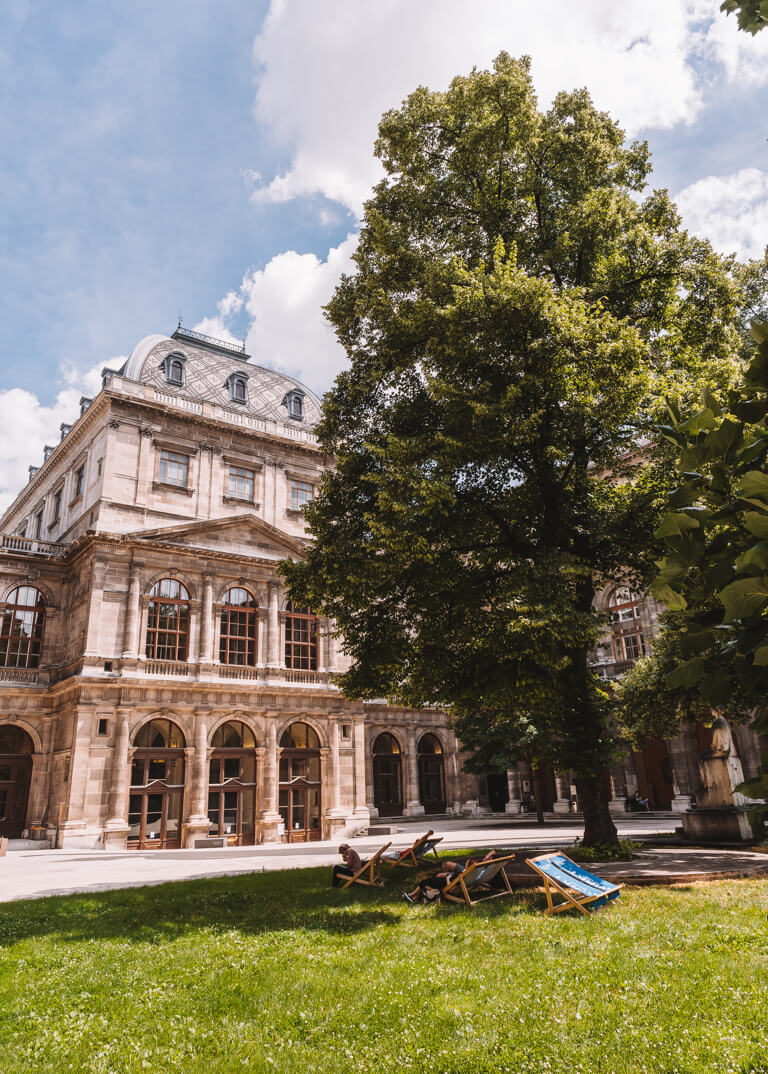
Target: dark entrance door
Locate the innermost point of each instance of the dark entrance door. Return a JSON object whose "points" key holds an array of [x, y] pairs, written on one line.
{"points": [[157, 787], [387, 776], [431, 774], [232, 785], [497, 791], [15, 774], [300, 800]]}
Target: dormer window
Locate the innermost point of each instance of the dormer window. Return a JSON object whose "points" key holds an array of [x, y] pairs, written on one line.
{"points": [[294, 402], [238, 387], [173, 365]]}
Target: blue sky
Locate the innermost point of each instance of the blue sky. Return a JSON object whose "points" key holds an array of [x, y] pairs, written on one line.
{"points": [[211, 156]]}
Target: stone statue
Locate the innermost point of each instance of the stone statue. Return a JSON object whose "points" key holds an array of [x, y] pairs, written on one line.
{"points": [[719, 769]]}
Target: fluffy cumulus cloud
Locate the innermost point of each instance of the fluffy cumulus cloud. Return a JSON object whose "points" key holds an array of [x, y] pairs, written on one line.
{"points": [[730, 210], [28, 425], [327, 71]]}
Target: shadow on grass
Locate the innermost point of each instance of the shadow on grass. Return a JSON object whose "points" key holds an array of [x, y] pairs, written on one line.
{"points": [[256, 903]]}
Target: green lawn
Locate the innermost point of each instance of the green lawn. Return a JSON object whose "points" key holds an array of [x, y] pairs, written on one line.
{"points": [[278, 972]]}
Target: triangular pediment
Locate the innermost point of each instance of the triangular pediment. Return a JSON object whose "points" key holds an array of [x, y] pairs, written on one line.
{"points": [[243, 535]]}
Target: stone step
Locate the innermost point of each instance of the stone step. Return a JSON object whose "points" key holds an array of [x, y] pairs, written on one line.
{"points": [[30, 844]]}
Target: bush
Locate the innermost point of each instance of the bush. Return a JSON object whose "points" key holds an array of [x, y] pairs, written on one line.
{"points": [[624, 850]]}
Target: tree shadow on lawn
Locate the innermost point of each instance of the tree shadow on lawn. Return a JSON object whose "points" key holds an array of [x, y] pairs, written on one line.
{"points": [[255, 904]]}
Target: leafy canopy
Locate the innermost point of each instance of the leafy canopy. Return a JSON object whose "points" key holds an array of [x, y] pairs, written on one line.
{"points": [[517, 317], [752, 15]]}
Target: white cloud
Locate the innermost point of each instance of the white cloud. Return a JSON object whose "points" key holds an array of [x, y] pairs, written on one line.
{"points": [[284, 301], [328, 71], [28, 425], [730, 210]]}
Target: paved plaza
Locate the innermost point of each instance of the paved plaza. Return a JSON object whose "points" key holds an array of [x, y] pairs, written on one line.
{"points": [[37, 873]]}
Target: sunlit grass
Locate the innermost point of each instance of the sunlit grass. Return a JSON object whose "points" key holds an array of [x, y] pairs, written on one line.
{"points": [[279, 972]]}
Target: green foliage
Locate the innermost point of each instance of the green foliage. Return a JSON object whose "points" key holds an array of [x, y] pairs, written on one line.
{"points": [[752, 14], [718, 571], [280, 973], [518, 319]]}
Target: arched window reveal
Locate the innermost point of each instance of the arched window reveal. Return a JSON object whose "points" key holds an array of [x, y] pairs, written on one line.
{"points": [[299, 791], [237, 644], [16, 749], [168, 621], [431, 774], [21, 632], [157, 786], [232, 784], [300, 638], [387, 776]]}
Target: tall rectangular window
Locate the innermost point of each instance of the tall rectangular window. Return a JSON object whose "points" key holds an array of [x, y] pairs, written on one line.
{"points": [[174, 468], [56, 506], [241, 483], [299, 492], [79, 481], [38, 524]]}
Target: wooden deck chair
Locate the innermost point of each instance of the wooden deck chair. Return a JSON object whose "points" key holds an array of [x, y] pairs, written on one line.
{"points": [[478, 879], [578, 888], [368, 873], [411, 856]]}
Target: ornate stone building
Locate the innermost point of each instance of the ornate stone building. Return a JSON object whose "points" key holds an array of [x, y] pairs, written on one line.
{"points": [[156, 686]]}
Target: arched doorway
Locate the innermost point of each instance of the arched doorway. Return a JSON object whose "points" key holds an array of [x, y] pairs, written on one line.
{"points": [[300, 798], [387, 776], [16, 749], [232, 784], [431, 774], [157, 787]]}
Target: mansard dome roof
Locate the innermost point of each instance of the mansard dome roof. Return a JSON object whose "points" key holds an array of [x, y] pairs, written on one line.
{"points": [[207, 372]]}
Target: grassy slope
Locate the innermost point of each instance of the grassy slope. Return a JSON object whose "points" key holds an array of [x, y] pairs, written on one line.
{"points": [[277, 972]]}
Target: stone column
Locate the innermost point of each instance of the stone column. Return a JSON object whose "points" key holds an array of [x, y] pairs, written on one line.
{"points": [[132, 614], [263, 628], [361, 813], [273, 626], [270, 817], [563, 790], [37, 807], [93, 629], [73, 832], [336, 816], [206, 620], [196, 826], [514, 793], [413, 807], [116, 828]]}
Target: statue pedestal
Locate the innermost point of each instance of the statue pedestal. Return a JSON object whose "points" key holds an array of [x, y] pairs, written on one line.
{"points": [[717, 824]]}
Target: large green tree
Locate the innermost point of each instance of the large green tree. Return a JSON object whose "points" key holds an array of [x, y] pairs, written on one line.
{"points": [[517, 315]]}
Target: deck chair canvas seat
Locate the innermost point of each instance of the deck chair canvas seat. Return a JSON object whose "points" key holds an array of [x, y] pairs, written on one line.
{"points": [[479, 882], [368, 874], [411, 856], [577, 887]]}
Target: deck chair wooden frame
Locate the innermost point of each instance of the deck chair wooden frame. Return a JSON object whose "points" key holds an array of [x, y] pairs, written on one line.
{"points": [[410, 858], [460, 889], [368, 874], [572, 897]]}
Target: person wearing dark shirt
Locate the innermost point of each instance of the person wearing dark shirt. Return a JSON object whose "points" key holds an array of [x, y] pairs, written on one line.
{"points": [[428, 889], [352, 864]]}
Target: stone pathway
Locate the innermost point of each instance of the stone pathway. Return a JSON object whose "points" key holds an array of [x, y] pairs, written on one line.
{"points": [[35, 874]]}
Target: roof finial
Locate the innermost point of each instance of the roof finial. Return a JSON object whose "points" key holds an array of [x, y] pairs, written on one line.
{"points": [[245, 337], [178, 326]]}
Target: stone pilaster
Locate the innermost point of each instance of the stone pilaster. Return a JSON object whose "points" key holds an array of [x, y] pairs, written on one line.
{"points": [[361, 812], [132, 614], [273, 626], [270, 817], [196, 826], [116, 828], [514, 799], [413, 807]]}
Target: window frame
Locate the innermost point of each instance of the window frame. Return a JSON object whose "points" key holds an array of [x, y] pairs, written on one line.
{"points": [[177, 637], [236, 474], [249, 613], [301, 634], [34, 613], [295, 486], [169, 362], [172, 457], [235, 381]]}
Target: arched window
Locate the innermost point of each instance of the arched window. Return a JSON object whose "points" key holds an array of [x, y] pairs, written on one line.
{"points": [[299, 736], [174, 369], [387, 776], [431, 774], [300, 638], [627, 629], [157, 786], [232, 784], [299, 801], [16, 749], [237, 644], [21, 631], [168, 621], [238, 387], [294, 403], [386, 743]]}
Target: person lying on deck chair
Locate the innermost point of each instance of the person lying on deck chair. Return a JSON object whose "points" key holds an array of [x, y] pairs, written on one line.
{"points": [[428, 889], [352, 864]]}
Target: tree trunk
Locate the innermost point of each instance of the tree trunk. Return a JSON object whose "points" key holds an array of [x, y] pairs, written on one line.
{"points": [[598, 822], [536, 780]]}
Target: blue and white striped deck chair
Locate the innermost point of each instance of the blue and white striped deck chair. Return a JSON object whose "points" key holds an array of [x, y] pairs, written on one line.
{"points": [[577, 887]]}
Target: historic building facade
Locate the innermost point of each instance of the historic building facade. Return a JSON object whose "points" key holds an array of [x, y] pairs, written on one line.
{"points": [[156, 685]]}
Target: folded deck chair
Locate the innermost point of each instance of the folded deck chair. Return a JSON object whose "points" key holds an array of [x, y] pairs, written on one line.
{"points": [[368, 873], [578, 887], [478, 880], [410, 857]]}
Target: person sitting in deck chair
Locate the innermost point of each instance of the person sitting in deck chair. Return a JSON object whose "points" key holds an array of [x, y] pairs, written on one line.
{"points": [[428, 889], [352, 864]]}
